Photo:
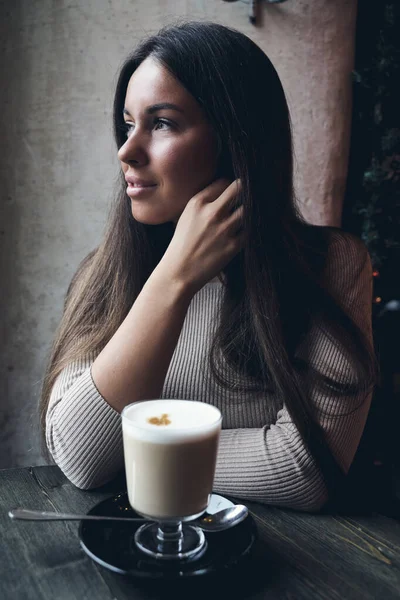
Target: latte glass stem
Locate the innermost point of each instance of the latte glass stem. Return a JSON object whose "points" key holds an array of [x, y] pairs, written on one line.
{"points": [[170, 537]]}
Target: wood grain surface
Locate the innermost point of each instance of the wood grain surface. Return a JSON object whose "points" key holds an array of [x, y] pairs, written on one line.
{"points": [[298, 556]]}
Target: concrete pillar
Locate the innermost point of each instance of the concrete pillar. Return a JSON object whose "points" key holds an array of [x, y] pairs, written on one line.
{"points": [[311, 43]]}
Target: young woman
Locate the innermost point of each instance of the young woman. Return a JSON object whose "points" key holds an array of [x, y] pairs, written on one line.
{"points": [[209, 286]]}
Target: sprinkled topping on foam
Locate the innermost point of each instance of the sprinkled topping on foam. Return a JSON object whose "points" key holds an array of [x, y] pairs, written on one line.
{"points": [[163, 420], [170, 420]]}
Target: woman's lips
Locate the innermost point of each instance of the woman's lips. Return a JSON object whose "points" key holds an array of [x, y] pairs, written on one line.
{"points": [[134, 189]]}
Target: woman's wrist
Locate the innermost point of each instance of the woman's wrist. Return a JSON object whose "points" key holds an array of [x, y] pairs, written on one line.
{"points": [[179, 286]]}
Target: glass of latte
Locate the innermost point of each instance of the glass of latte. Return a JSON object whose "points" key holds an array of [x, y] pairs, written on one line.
{"points": [[170, 451]]}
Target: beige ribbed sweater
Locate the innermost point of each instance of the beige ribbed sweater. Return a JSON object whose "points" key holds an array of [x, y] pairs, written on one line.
{"points": [[261, 456]]}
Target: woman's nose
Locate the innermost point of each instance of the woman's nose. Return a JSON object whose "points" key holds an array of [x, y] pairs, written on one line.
{"points": [[133, 150]]}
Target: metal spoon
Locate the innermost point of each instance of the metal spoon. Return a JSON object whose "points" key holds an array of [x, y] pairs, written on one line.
{"points": [[223, 519]]}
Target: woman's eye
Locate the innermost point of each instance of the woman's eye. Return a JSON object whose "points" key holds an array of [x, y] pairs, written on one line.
{"points": [[128, 128], [162, 124], [158, 124]]}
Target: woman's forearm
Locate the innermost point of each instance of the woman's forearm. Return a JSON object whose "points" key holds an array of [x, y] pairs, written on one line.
{"points": [[134, 363]]}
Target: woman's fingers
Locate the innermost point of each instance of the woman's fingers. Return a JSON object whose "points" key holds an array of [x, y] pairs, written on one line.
{"points": [[213, 191], [227, 199], [235, 220], [219, 193]]}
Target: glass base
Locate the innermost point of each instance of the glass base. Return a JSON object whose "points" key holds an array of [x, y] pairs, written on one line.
{"points": [[171, 541]]}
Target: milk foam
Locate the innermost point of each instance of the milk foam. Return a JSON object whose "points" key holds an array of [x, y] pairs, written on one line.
{"points": [[187, 420]]}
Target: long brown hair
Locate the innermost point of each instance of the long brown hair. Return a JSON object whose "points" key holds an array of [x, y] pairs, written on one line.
{"points": [[273, 287]]}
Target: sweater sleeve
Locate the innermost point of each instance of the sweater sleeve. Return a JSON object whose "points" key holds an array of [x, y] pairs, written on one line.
{"points": [[272, 464], [83, 432]]}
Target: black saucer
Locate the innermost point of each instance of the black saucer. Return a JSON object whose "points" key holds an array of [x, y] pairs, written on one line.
{"points": [[112, 546]]}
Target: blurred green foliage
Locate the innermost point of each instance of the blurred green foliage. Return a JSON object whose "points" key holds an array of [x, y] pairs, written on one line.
{"points": [[372, 201]]}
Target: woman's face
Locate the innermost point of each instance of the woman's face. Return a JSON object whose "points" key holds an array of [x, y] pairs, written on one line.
{"points": [[170, 152]]}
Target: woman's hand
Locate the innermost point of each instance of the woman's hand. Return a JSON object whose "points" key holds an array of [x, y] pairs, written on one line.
{"points": [[207, 236]]}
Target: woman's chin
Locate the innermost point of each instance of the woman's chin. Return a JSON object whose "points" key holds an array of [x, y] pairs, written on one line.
{"points": [[145, 215], [148, 217]]}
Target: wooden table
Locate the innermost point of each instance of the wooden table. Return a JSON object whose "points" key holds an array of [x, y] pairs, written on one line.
{"points": [[298, 556]]}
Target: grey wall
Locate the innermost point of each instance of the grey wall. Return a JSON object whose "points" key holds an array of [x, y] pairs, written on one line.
{"points": [[58, 66]]}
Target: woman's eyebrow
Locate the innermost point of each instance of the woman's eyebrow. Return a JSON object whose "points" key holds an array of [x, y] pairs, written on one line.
{"points": [[155, 107]]}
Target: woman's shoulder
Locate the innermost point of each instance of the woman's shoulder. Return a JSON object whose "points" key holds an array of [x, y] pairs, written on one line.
{"points": [[347, 264], [343, 245], [334, 245], [337, 258], [331, 239], [347, 259]]}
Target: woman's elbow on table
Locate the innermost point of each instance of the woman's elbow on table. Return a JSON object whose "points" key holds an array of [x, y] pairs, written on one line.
{"points": [[315, 503], [86, 468], [90, 478], [303, 487], [313, 499], [89, 481]]}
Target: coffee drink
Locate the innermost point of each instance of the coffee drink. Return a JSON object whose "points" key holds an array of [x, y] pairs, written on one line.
{"points": [[170, 449]]}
